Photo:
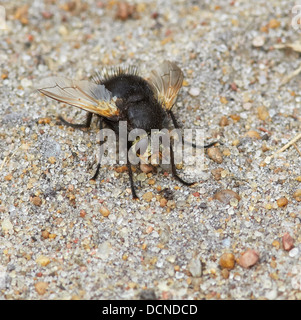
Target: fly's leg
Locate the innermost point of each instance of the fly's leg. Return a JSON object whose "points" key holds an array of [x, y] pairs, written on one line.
{"points": [[174, 171], [86, 124], [100, 149], [176, 125], [131, 181]]}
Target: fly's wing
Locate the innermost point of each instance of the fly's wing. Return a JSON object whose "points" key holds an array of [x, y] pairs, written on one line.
{"points": [[82, 94], [166, 81]]}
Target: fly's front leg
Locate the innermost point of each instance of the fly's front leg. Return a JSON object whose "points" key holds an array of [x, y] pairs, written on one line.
{"points": [[100, 150]]}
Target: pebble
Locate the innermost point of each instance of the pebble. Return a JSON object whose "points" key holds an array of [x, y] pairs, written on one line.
{"points": [[253, 134], [125, 11], [263, 113], [224, 121], [194, 92], [105, 212], [37, 201], [272, 294], [6, 225], [25, 83], [148, 196], [45, 234], [225, 196], [297, 195], [104, 250], [293, 252], [282, 202], [273, 24], [195, 267], [215, 154], [43, 260], [258, 41], [163, 202], [227, 261], [41, 287], [248, 258], [287, 242], [146, 168], [225, 273], [217, 173]]}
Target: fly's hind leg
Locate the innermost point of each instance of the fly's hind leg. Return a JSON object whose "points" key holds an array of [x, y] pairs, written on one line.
{"points": [[86, 124]]}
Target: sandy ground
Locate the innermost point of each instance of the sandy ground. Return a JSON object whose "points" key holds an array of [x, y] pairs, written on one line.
{"points": [[63, 236]]}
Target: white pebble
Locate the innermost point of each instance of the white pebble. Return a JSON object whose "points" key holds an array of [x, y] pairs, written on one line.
{"points": [[25, 83], [194, 92], [6, 225], [258, 41], [294, 252]]}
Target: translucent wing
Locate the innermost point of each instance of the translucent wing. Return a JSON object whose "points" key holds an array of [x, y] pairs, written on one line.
{"points": [[167, 80], [83, 94]]}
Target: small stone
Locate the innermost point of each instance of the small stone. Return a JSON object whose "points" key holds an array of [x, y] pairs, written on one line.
{"points": [[44, 121], [82, 213], [223, 100], [273, 24], [253, 134], [146, 168], [225, 273], [263, 113], [163, 202], [105, 212], [194, 92], [258, 41], [8, 177], [224, 121], [41, 287], [276, 244], [226, 195], [148, 196], [121, 169], [282, 202], [151, 181], [215, 154], [52, 160], [227, 261], [287, 242], [25, 83], [104, 250], [233, 86], [217, 173], [235, 117], [6, 225], [248, 258], [293, 252], [247, 105], [125, 11], [43, 261], [297, 195], [37, 201], [45, 234], [195, 267], [272, 294]]}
